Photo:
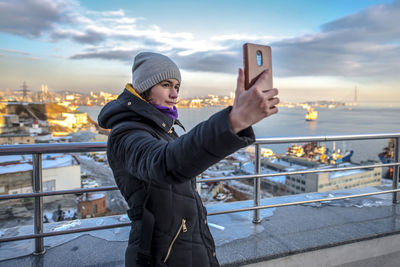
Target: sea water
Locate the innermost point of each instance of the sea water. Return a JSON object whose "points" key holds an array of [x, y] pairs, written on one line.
{"points": [[291, 122]]}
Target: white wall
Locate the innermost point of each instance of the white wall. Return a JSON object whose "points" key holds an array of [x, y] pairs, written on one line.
{"points": [[68, 177]]}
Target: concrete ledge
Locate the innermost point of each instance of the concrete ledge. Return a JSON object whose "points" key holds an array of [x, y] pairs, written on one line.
{"points": [[381, 252], [298, 229], [347, 232], [85, 250]]}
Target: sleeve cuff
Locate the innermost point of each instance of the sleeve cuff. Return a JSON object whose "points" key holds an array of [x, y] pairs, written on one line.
{"points": [[228, 139]]}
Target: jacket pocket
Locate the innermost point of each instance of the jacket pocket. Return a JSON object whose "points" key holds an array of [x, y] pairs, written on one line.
{"points": [[182, 228]]}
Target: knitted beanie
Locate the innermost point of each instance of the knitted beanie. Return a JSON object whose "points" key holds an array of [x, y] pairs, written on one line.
{"points": [[152, 68]]}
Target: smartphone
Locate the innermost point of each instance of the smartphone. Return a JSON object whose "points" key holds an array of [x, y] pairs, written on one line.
{"points": [[256, 59]]}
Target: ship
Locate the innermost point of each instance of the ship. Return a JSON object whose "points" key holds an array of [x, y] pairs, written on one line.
{"points": [[387, 156], [312, 114], [317, 153], [338, 157]]}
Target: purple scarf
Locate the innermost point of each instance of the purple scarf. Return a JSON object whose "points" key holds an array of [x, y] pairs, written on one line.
{"points": [[170, 112]]}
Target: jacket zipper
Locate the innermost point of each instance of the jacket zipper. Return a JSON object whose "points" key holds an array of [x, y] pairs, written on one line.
{"points": [[181, 228]]}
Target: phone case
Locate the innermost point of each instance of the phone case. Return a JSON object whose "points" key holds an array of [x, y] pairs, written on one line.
{"points": [[256, 59]]}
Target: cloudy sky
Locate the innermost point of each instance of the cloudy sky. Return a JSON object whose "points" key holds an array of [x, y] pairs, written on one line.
{"points": [[321, 49]]}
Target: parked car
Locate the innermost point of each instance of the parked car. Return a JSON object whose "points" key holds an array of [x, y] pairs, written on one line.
{"points": [[89, 183], [220, 196]]}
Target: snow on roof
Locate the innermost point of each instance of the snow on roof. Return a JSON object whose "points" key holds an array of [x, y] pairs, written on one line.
{"points": [[288, 165], [240, 156], [15, 168], [339, 174], [11, 158], [94, 196], [277, 179], [248, 168], [63, 161], [332, 175], [49, 161]]}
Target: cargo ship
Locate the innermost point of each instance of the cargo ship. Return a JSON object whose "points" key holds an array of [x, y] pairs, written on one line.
{"points": [[387, 156], [319, 153], [312, 114]]}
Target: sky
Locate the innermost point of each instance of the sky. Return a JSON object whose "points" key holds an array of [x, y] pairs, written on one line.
{"points": [[321, 50]]}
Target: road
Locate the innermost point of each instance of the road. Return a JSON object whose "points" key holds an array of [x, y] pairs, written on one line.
{"points": [[102, 174]]}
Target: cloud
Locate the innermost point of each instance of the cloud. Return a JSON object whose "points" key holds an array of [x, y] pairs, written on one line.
{"points": [[12, 51], [121, 55], [362, 44], [87, 37], [199, 61], [31, 18], [32, 58], [236, 41], [120, 21], [103, 29], [114, 13], [370, 23], [123, 34], [23, 54], [210, 62], [366, 43], [57, 56]]}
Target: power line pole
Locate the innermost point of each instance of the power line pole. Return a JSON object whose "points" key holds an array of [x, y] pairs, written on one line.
{"points": [[24, 91]]}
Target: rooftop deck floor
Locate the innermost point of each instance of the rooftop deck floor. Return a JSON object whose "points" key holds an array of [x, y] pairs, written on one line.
{"points": [[283, 231]]}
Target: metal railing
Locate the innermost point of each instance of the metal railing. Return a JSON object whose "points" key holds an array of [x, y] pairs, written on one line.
{"points": [[39, 149]]}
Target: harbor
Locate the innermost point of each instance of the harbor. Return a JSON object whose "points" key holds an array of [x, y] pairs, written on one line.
{"points": [[94, 171]]}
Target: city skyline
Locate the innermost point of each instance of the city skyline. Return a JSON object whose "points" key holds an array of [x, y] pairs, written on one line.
{"points": [[321, 50]]}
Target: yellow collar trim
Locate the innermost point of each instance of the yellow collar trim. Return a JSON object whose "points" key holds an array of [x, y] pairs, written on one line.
{"points": [[130, 89]]}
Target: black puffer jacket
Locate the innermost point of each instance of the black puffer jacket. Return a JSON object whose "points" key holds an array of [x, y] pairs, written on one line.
{"points": [[155, 169]]}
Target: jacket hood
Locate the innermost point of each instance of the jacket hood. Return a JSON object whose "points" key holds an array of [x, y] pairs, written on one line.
{"points": [[131, 107]]}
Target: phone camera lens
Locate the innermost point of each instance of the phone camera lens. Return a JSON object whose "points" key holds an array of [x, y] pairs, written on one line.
{"points": [[259, 58]]}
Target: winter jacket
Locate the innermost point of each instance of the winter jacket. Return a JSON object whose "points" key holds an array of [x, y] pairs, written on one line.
{"points": [[155, 171]]}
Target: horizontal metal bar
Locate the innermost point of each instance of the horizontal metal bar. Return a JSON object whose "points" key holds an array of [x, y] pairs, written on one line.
{"points": [[17, 238], [325, 138], [252, 176], [52, 148], [95, 228], [59, 192], [101, 146], [301, 202], [110, 188]]}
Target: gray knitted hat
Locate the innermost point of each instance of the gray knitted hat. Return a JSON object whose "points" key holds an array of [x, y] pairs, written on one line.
{"points": [[152, 68]]}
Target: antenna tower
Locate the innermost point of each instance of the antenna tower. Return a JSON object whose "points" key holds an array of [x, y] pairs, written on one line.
{"points": [[24, 91]]}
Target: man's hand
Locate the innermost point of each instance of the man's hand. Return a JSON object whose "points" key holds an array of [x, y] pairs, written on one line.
{"points": [[252, 105]]}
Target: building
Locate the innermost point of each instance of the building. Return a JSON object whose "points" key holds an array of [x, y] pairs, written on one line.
{"points": [[71, 120], [10, 139], [274, 185], [60, 172], [323, 181], [9, 120], [92, 205]]}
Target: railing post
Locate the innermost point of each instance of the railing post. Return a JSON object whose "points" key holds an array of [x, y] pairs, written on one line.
{"points": [[38, 204], [395, 178], [257, 183]]}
